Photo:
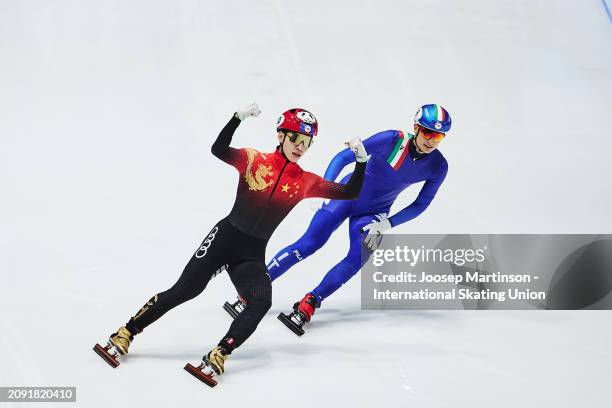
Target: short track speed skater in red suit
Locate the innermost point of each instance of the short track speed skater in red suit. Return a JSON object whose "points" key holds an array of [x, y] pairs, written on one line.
{"points": [[270, 185]]}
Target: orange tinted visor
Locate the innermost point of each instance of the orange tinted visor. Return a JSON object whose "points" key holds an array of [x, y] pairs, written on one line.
{"points": [[430, 134]]}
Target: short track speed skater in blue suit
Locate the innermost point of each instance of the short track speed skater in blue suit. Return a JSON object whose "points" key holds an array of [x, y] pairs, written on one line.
{"points": [[397, 160]]}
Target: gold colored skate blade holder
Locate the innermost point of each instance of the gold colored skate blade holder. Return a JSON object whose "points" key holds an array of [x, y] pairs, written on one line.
{"points": [[106, 356], [197, 373]]}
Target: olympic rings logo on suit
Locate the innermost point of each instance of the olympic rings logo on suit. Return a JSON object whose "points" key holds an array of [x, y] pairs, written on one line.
{"points": [[201, 252]]}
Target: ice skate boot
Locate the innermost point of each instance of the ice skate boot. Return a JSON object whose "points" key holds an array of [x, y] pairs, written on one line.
{"points": [[234, 309], [302, 313], [212, 365], [118, 344]]}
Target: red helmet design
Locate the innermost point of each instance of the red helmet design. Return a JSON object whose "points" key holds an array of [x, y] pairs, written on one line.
{"points": [[298, 120]]}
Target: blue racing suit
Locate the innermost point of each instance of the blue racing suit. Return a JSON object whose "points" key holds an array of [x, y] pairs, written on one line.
{"points": [[390, 170]]}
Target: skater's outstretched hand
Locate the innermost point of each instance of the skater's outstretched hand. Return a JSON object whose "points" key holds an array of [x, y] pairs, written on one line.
{"points": [[375, 230], [248, 111], [359, 150]]}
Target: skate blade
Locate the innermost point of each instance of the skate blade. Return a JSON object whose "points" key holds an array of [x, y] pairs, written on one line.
{"points": [[290, 324], [197, 373], [106, 356], [230, 310]]}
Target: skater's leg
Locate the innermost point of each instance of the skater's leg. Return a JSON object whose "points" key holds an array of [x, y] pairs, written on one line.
{"points": [[208, 259], [322, 225], [351, 264], [252, 283]]}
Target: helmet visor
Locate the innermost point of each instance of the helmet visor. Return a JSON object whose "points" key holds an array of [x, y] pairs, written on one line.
{"points": [[298, 138], [431, 134]]}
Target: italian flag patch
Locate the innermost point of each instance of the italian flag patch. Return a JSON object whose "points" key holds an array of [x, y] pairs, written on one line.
{"points": [[400, 151]]}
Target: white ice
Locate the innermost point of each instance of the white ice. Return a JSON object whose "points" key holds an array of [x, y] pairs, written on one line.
{"points": [[107, 113]]}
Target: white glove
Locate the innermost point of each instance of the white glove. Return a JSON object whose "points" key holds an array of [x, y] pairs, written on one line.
{"points": [[317, 203], [248, 111], [358, 149], [375, 230]]}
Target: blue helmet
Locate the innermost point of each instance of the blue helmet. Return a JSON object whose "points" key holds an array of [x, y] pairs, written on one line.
{"points": [[433, 117]]}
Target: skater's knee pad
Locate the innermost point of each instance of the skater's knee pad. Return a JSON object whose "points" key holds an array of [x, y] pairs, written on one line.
{"points": [[259, 306], [264, 305], [259, 298]]}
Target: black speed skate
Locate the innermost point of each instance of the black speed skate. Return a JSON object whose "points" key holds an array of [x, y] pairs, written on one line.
{"points": [[234, 309], [294, 322], [302, 313]]}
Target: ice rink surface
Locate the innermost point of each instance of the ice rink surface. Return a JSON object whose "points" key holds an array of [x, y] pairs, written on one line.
{"points": [[108, 110]]}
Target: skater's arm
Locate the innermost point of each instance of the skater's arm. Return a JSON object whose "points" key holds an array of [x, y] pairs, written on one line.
{"points": [[339, 162], [328, 189], [336, 191], [425, 197], [221, 147], [346, 157]]}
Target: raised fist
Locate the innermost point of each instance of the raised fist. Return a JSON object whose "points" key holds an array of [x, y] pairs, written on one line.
{"points": [[248, 111]]}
